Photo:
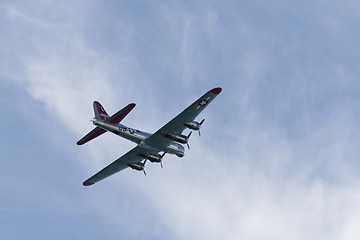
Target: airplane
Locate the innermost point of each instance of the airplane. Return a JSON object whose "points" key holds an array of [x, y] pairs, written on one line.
{"points": [[168, 139]]}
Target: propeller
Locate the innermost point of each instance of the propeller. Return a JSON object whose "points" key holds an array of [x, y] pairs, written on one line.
{"points": [[187, 143], [144, 167], [200, 125], [161, 159]]}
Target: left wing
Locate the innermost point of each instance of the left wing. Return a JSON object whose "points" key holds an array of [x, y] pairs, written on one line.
{"points": [[176, 125], [135, 155]]}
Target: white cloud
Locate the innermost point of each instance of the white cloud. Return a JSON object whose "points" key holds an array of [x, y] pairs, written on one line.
{"points": [[268, 191], [248, 176]]}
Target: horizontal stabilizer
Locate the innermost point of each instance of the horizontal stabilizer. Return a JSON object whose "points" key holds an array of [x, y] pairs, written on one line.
{"points": [[120, 115], [91, 135], [101, 114]]}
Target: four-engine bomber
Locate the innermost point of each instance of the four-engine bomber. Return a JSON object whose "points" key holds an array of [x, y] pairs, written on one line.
{"points": [[168, 139]]}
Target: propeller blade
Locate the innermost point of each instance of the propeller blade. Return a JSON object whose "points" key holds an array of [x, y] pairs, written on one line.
{"points": [[189, 135], [188, 145], [161, 159], [144, 172], [202, 121]]}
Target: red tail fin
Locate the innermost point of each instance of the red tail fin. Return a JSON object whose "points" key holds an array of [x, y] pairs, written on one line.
{"points": [[100, 113]]}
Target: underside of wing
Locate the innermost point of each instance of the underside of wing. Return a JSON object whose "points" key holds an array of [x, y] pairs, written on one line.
{"points": [[133, 156], [177, 125]]}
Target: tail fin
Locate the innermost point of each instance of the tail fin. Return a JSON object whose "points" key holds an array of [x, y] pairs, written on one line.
{"points": [[100, 113]]}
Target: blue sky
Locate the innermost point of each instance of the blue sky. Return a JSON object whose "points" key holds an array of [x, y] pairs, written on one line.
{"points": [[278, 157]]}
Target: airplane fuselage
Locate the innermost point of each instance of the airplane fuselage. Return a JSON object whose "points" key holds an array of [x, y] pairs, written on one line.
{"points": [[137, 136]]}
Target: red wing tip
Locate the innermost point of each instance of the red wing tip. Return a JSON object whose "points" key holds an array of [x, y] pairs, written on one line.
{"points": [[86, 183], [216, 90], [132, 105]]}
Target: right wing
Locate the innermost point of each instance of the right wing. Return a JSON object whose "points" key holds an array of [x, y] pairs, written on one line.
{"points": [[135, 155], [176, 125], [114, 119]]}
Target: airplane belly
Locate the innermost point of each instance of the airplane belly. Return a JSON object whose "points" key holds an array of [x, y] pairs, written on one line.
{"points": [[131, 134], [135, 137]]}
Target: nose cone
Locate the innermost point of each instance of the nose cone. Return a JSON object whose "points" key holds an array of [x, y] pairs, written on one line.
{"points": [[181, 150], [176, 148]]}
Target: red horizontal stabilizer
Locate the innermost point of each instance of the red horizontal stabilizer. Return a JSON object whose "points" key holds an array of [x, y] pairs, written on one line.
{"points": [[120, 115], [100, 113], [91, 135]]}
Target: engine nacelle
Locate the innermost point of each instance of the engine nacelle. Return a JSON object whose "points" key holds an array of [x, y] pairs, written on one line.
{"points": [[193, 125], [137, 166], [155, 157], [179, 138]]}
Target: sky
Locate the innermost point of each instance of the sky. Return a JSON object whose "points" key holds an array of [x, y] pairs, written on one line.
{"points": [[279, 153]]}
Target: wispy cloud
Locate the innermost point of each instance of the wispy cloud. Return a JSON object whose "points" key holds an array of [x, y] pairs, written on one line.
{"points": [[278, 155]]}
